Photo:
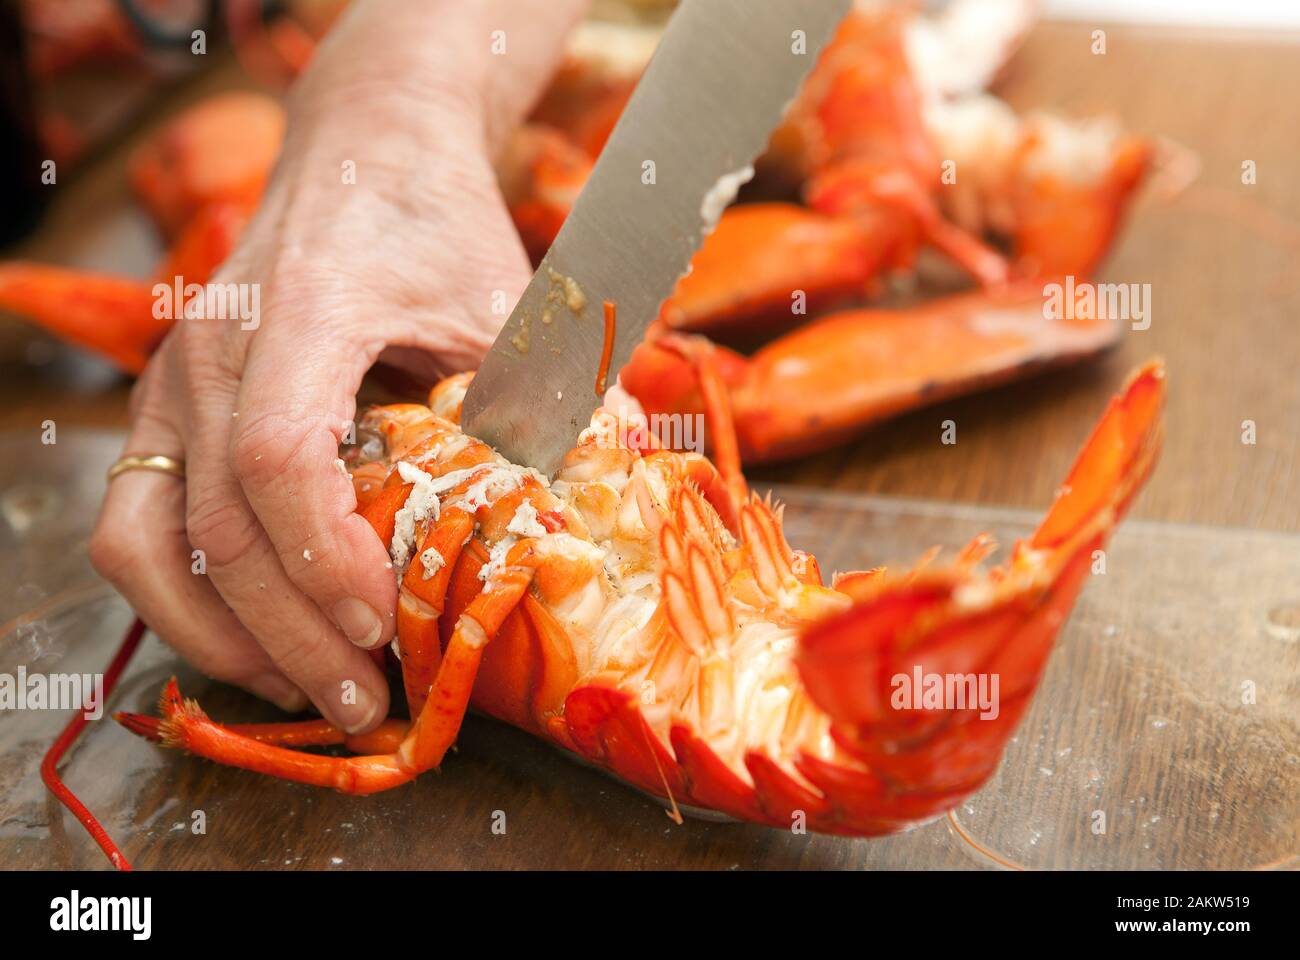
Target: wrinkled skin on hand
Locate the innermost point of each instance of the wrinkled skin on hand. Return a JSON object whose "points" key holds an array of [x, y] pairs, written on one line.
{"points": [[382, 235]]}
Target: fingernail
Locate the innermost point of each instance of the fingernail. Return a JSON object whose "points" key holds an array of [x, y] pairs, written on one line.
{"points": [[281, 692], [358, 620], [364, 710]]}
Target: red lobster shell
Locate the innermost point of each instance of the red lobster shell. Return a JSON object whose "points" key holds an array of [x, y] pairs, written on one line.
{"points": [[642, 612]]}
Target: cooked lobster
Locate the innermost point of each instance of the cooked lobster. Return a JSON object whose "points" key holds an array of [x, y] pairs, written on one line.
{"points": [[645, 612]]}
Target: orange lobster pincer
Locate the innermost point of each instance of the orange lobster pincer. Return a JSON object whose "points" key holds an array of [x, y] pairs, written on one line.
{"points": [[642, 613]]}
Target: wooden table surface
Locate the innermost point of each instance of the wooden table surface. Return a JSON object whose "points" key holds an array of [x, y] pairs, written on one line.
{"points": [[1220, 258]]}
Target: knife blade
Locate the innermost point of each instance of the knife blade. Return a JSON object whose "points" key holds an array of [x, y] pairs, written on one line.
{"points": [[716, 87]]}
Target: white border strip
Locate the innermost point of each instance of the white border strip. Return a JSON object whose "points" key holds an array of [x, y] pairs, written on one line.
{"points": [[1190, 13]]}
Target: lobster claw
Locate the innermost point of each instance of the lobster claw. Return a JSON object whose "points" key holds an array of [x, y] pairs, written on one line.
{"points": [[991, 631], [189, 164]]}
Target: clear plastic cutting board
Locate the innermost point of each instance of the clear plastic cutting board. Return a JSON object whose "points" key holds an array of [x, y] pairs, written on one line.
{"points": [[1169, 715]]}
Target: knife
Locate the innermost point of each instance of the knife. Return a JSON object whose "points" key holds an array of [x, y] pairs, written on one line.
{"points": [[716, 87]]}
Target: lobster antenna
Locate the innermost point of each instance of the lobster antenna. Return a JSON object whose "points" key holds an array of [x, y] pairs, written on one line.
{"points": [[49, 765]]}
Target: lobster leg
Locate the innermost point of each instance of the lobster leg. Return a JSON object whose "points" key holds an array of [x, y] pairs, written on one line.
{"points": [[439, 722], [383, 739], [184, 724], [423, 596], [303, 733]]}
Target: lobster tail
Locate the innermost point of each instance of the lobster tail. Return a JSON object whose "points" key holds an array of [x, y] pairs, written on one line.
{"points": [[925, 678]]}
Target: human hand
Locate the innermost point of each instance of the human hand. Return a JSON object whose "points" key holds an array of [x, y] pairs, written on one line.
{"points": [[413, 263]]}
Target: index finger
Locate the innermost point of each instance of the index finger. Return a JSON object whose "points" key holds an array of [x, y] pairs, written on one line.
{"points": [[292, 413]]}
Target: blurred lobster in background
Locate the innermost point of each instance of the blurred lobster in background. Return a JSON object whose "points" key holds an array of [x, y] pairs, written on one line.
{"points": [[200, 192], [891, 148]]}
